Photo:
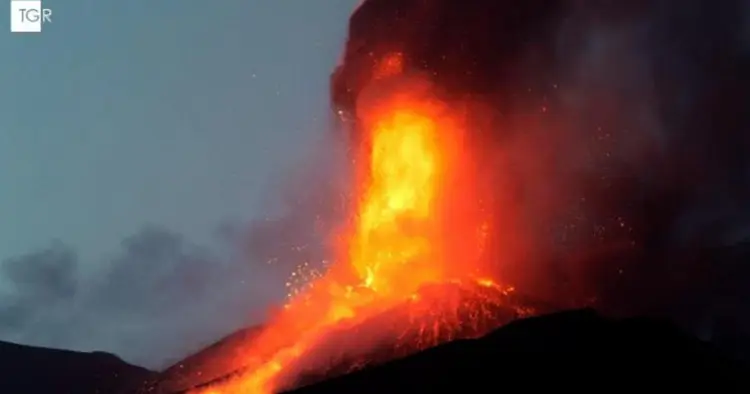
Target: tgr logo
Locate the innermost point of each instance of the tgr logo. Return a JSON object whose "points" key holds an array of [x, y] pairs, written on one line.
{"points": [[28, 16]]}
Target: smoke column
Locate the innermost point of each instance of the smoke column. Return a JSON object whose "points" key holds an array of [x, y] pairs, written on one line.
{"points": [[612, 134]]}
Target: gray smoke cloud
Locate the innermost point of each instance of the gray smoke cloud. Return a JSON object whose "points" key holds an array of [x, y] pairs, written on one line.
{"points": [[158, 298], [639, 161], [654, 112], [36, 281]]}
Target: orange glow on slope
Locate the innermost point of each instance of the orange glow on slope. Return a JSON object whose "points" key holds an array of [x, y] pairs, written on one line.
{"points": [[403, 237]]}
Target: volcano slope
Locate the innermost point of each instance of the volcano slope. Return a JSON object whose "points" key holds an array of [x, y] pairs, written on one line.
{"points": [[568, 350], [441, 313], [208, 363], [579, 348], [580, 342]]}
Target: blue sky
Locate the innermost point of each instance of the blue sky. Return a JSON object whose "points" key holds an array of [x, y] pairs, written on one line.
{"points": [[131, 132], [173, 112]]}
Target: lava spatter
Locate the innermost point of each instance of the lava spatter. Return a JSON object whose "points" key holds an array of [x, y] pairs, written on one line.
{"points": [[395, 259]]}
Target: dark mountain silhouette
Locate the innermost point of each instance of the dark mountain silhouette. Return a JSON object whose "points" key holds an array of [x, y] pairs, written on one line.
{"points": [[569, 350], [578, 349], [37, 370]]}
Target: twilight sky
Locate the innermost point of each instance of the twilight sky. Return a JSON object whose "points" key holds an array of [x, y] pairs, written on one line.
{"points": [[174, 114]]}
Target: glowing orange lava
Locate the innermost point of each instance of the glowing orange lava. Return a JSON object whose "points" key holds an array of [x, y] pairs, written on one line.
{"points": [[393, 230], [403, 237]]}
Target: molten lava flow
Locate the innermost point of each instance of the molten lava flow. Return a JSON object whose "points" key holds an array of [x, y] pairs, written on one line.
{"points": [[396, 246]]}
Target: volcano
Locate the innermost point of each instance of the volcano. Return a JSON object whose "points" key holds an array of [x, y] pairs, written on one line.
{"points": [[502, 145], [503, 148], [508, 159]]}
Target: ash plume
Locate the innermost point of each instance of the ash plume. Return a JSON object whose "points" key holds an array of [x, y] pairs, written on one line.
{"points": [[614, 133]]}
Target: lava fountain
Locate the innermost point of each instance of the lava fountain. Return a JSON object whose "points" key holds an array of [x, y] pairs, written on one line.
{"points": [[414, 243]]}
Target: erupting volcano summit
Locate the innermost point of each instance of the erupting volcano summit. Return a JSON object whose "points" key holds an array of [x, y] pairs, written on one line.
{"points": [[446, 105], [415, 244], [413, 268]]}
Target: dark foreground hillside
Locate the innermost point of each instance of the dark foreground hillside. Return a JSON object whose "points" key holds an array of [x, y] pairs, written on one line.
{"points": [[36, 370], [576, 350], [572, 350]]}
